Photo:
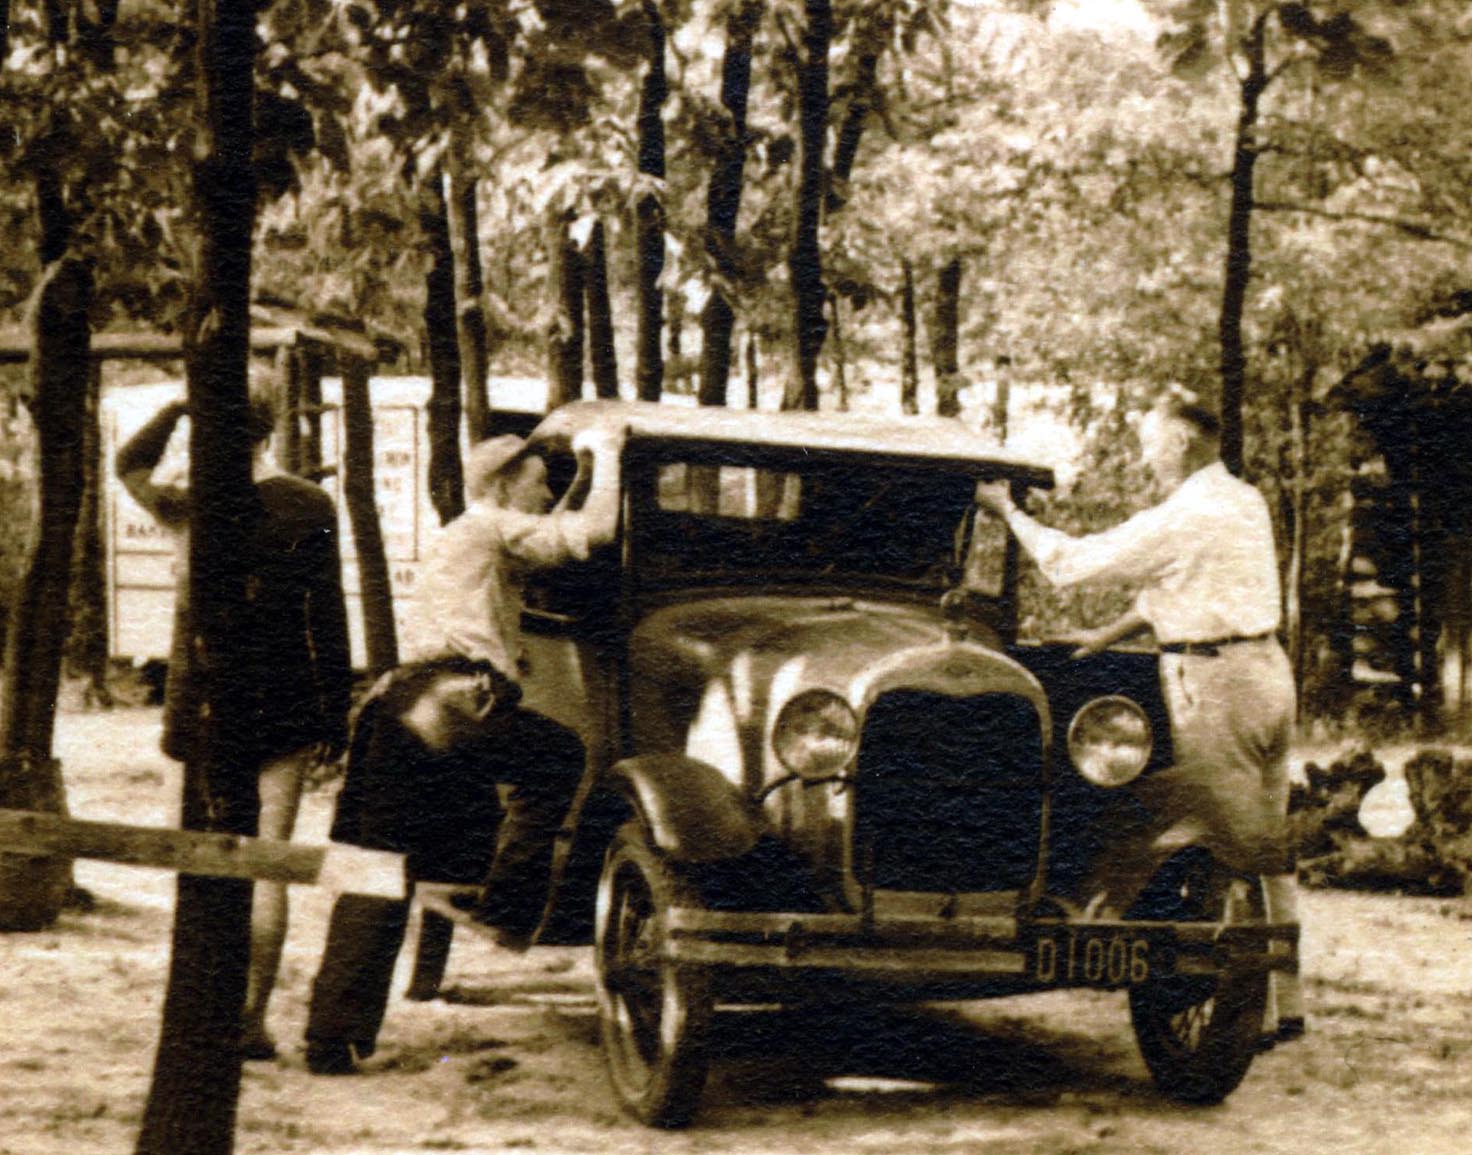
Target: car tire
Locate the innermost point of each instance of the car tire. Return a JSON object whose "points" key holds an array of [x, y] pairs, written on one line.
{"points": [[1198, 1033], [653, 1014]]}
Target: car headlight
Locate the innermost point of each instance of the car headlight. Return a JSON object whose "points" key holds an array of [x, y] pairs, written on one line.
{"points": [[816, 734], [1109, 741]]}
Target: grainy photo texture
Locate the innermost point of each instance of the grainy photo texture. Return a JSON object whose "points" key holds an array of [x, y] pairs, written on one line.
{"points": [[735, 576]]}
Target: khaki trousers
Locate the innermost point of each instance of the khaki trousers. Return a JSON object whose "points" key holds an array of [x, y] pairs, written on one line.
{"points": [[1231, 717]]}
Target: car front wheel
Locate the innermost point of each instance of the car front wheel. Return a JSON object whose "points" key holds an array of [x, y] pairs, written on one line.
{"points": [[653, 1014], [1198, 1033]]}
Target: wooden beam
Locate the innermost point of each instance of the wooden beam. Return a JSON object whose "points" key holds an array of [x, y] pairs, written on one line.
{"points": [[335, 866], [15, 348]]}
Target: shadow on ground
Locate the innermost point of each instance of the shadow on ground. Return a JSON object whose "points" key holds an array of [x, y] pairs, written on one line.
{"points": [[789, 1055], [773, 1056]]}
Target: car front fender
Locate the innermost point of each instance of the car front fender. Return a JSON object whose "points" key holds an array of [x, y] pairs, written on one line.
{"points": [[689, 809]]}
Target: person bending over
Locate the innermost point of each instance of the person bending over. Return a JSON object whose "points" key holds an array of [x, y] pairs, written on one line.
{"points": [[445, 730]]}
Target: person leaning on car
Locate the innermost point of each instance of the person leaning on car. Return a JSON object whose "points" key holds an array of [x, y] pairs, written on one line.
{"points": [[440, 734], [296, 675], [1205, 563]]}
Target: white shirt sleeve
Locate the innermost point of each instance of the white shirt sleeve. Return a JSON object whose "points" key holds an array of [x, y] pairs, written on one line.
{"points": [[1136, 550], [544, 541]]}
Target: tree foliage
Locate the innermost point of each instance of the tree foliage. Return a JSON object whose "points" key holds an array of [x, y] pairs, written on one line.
{"points": [[1089, 184]]}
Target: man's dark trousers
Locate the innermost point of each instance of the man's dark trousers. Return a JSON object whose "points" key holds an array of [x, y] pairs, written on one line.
{"points": [[446, 814]]}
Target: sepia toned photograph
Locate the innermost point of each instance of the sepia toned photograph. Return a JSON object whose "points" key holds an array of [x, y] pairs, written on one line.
{"points": [[735, 576]]}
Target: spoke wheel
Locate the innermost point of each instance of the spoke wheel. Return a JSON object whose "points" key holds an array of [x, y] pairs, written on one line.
{"points": [[1198, 1034], [653, 1015]]}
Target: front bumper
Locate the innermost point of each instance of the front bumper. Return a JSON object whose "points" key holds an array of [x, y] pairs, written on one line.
{"points": [[1035, 954]]}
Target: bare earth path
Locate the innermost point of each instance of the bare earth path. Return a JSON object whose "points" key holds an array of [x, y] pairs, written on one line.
{"points": [[511, 1064]]}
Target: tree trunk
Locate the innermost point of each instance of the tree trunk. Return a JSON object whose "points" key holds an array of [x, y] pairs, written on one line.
{"points": [[717, 322], [909, 355], [723, 205], [51, 210], [675, 360], [32, 889], [649, 214], [840, 369], [288, 431], [1239, 246], [1298, 432], [565, 334], [88, 642], [805, 261], [753, 382], [470, 309], [1432, 550], [310, 362], [945, 340], [358, 493], [196, 1075], [875, 23], [446, 473], [1002, 403], [600, 318]]}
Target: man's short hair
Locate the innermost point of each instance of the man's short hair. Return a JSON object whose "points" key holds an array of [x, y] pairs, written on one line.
{"points": [[1204, 424]]}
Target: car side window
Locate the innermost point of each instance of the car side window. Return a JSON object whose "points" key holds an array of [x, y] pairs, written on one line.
{"points": [[736, 491]]}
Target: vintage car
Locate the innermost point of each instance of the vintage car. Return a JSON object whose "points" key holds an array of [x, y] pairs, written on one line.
{"points": [[822, 764]]}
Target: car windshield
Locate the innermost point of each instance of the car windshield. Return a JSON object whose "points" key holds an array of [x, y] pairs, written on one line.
{"points": [[840, 521]]}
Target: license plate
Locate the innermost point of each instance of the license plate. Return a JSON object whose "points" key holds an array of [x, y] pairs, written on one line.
{"points": [[1087, 956]]}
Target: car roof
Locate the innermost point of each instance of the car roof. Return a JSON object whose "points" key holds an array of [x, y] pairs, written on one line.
{"points": [[933, 439]]}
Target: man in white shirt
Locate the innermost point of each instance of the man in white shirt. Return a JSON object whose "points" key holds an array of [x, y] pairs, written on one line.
{"points": [[440, 734], [468, 609], [1205, 563], [469, 599]]}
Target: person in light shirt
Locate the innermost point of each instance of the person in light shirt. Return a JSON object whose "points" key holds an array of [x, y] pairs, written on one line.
{"points": [[1205, 564], [468, 610], [438, 736]]}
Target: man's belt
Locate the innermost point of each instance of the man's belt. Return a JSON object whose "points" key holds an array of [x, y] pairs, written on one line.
{"points": [[1213, 646], [402, 687]]}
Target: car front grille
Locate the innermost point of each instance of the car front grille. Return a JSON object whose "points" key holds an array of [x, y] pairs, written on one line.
{"points": [[949, 793]]}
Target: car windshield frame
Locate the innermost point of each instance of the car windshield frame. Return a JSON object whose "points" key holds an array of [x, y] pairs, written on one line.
{"points": [[645, 456]]}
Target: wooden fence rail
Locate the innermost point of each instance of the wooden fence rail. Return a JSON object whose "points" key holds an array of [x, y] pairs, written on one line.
{"points": [[334, 865]]}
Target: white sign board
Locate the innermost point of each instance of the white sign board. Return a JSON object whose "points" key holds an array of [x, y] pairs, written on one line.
{"points": [[142, 567], [142, 561]]}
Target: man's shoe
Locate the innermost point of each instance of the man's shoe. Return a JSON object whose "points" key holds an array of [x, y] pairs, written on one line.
{"points": [[516, 941], [257, 1047], [331, 1057], [470, 901], [1291, 1028], [1288, 1030], [79, 898]]}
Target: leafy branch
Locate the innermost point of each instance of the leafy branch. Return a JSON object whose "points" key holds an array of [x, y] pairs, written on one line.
{"points": [[1414, 228]]}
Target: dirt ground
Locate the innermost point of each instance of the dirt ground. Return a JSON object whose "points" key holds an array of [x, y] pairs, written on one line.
{"points": [[510, 1061]]}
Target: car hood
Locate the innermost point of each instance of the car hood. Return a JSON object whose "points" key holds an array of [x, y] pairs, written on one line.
{"points": [[745, 656]]}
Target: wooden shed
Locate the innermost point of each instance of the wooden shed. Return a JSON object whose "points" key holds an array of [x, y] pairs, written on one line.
{"points": [[303, 348], [1407, 619]]}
